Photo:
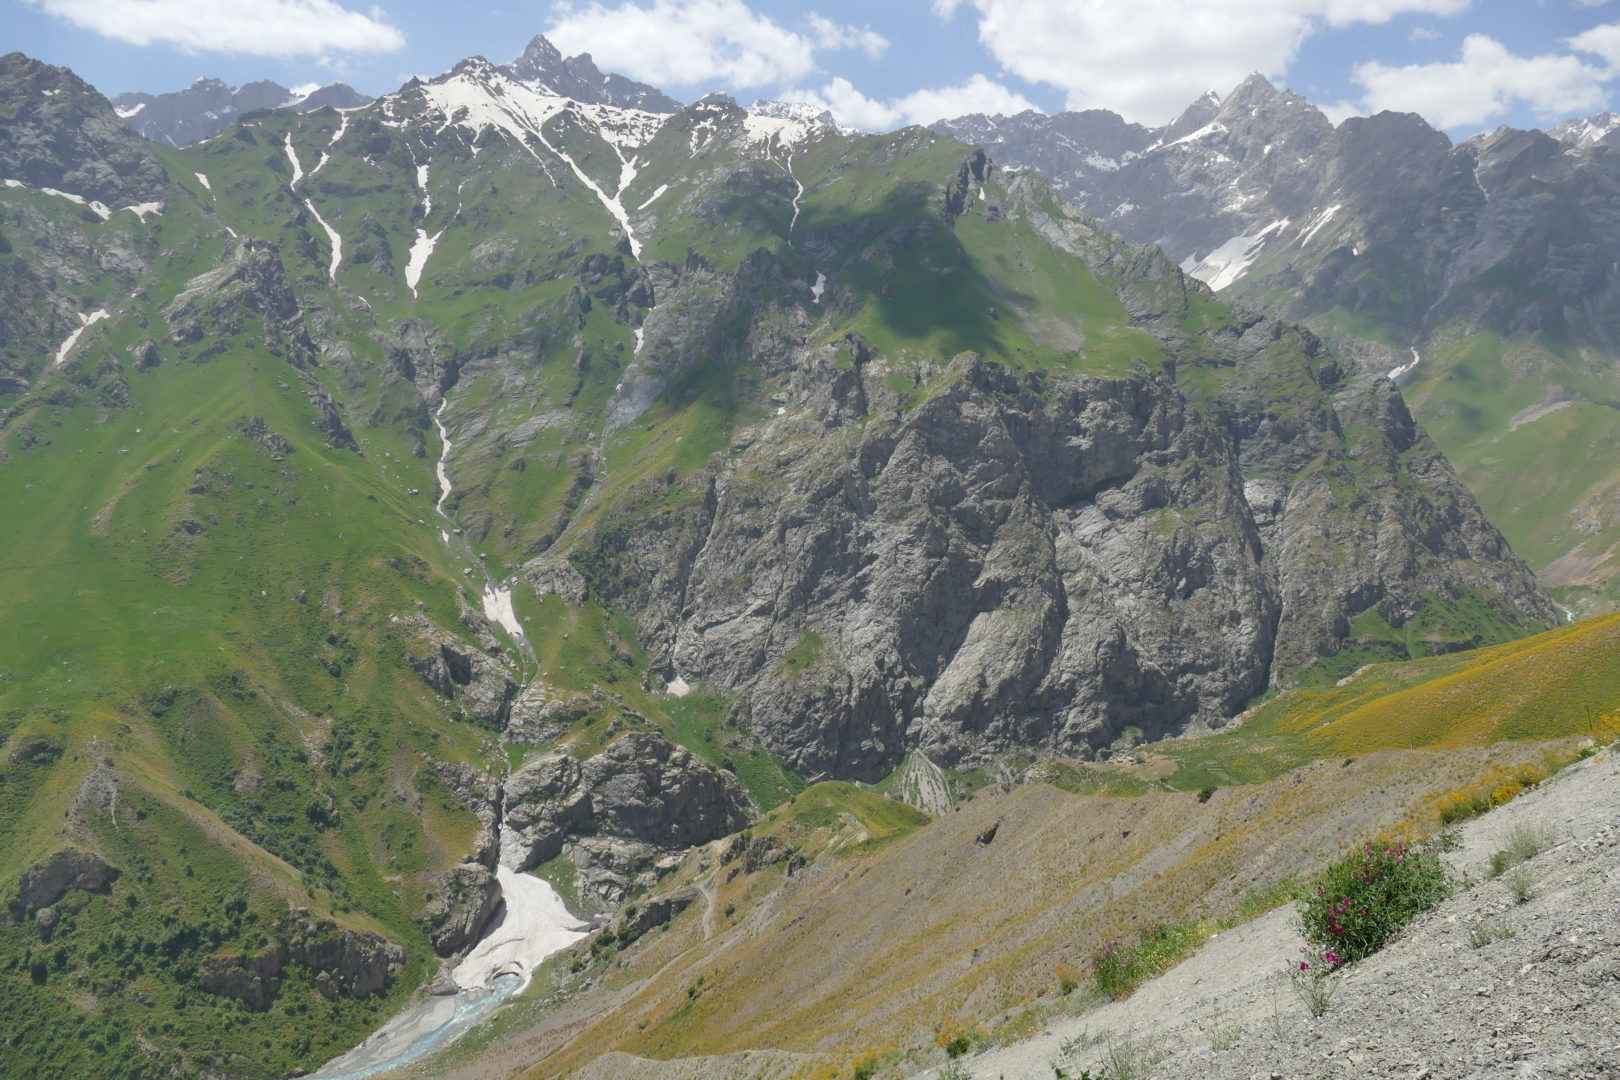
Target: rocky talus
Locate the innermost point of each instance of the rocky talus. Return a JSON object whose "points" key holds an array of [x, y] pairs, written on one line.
{"points": [[1486, 985]]}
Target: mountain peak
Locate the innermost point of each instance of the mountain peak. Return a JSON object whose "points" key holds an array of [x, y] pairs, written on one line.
{"points": [[539, 54], [208, 106], [543, 67], [1587, 130]]}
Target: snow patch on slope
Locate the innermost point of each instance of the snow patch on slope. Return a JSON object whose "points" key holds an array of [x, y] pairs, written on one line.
{"points": [[98, 208], [422, 246], [498, 610], [1202, 133], [533, 923], [1316, 224], [292, 156], [1227, 263], [416, 262], [784, 124], [85, 323], [1396, 372], [331, 233], [478, 96], [444, 455]]}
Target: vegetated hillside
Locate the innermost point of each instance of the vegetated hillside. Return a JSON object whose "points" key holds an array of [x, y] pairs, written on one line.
{"points": [[384, 481], [830, 937], [1479, 274]]}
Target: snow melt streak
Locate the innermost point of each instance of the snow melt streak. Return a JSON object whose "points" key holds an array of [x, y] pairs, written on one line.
{"points": [[1397, 372], [1227, 263], [498, 609], [86, 322], [444, 477], [331, 233]]}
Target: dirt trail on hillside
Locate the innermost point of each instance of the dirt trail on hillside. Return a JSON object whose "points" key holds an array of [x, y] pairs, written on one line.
{"points": [[1544, 1002]]}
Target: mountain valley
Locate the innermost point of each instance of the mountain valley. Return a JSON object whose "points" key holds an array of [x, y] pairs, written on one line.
{"points": [[850, 576]]}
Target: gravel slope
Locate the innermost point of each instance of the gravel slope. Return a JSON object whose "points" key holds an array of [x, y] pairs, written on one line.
{"points": [[1544, 1002]]}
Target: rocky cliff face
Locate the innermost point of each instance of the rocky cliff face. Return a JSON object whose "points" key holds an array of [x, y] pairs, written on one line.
{"points": [[460, 902], [1479, 275], [578, 78], [1041, 560], [57, 132], [352, 963], [613, 814]]}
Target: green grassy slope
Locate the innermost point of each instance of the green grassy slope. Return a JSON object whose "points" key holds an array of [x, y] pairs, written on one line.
{"points": [[203, 681]]}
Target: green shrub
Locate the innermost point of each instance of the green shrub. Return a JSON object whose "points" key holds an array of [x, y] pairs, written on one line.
{"points": [[1117, 969], [1522, 884], [1488, 933], [1524, 841], [1363, 899]]}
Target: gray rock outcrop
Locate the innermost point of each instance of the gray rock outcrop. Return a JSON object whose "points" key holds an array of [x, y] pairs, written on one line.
{"points": [[48, 880], [614, 813], [60, 134], [478, 682], [578, 77], [947, 556], [356, 963], [458, 906]]}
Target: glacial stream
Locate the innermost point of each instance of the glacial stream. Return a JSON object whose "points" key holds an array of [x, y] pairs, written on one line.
{"points": [[531, 923]]}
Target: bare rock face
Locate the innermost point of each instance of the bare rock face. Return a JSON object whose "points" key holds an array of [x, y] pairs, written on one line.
{"points": [[459, 904], [252, 284], [475, 680], [542, 66], [1040, 561], [59, 133], [615, 813], [47, 881], [357, 963]]}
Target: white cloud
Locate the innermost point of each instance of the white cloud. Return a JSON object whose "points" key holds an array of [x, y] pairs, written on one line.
{"points": [[1423, 33], [280, 28], [1600, 41], [1339, 111], [1485, 82], [701, 43], [830, 35], [848, 105], [1148, 58]]}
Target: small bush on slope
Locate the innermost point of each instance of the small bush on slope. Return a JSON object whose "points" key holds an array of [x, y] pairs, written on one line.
{"points": [[1363, 899]]}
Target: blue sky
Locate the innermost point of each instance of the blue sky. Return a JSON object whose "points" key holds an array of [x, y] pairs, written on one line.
{"points": [[1466, 65]]}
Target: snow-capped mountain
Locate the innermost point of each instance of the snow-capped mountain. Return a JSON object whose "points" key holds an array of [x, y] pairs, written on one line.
{"points": [[1259, 190], [208, 106], [1481, 275], [546, 70]]}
